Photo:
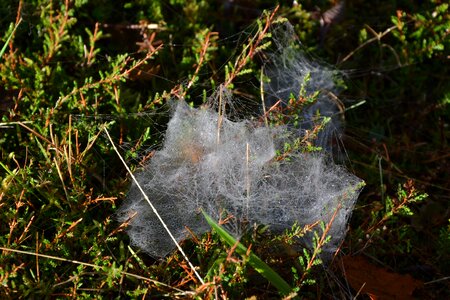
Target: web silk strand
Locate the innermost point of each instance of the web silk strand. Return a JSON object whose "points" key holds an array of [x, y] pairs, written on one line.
{"points": [[154, 209]]}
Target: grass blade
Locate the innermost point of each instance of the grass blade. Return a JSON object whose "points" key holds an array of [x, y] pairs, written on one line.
{"points": [[9, 38], [260, 266]]}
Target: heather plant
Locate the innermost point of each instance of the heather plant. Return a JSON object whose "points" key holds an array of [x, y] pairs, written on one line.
{"points": [[54, 180], [71, 69]]}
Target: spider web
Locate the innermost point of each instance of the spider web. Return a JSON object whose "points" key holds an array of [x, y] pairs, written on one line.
{"points": [[212, 163]]}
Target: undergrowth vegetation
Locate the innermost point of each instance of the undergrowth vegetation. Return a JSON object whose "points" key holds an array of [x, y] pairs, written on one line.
{"points": [[70, 69]]}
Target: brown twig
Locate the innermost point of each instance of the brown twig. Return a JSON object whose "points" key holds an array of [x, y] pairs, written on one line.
{"points": [[94, 38], [177, 91], [254, 42], [40, 136], [55, 38], [202, 58], [62, 234], [377, 37], [107, 80], [320, 244]]}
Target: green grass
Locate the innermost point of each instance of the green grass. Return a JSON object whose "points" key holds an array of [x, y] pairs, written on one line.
{"points": [[253, 260], [13, 29]]}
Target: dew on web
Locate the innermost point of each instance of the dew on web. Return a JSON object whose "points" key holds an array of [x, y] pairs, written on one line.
{"points": [[213, 162]]}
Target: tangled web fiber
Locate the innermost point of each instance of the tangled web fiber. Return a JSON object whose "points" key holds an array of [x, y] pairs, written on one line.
{"points": [[210, 163], [290, 70], [235, 172]]}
